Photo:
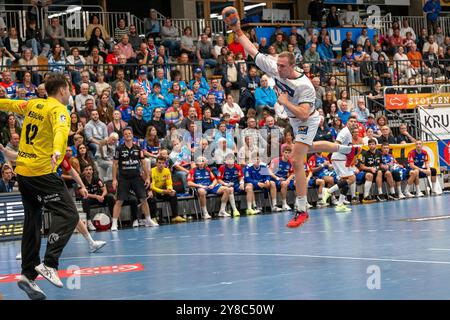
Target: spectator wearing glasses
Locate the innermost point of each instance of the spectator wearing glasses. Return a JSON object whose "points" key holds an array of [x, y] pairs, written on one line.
{"points": [[6, 182]]}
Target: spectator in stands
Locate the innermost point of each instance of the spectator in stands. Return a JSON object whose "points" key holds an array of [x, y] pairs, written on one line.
{"points": [[174, 114], [164, 84], [423, 37], [11, 150], [315, 10], [369, 136], [232, 77], [134, 38], [216, 91], [28, 86], [33, 39], [112, 59], [120, 30], [404, 136], [76, 128], [402, 65], [204, 87], [97, 195], [120, 78], [368, 48], [57, 60], [151, 25], [117, 125], [12, 127], [94, 23], [432, 8], [363, 37], [156, 99], [86, 79], [235, 47], [439, 36], [187, 43], [345, 97], [431, 61], [151, 146], [265, 96], [169, 38], [6, 182], [386, 136], [361, 111], [80, 99], [320, 91], [279, 44], [344, 113], [101, 86], [95, 63], [323, 132], [332, 18], [98, 41], [104, 108], [406, 28], [191, 103], [126, 49], [263, 46], [216, 109], [233, 109], [326, 54], [350, 66], [329, 99], [125, 108], [7, 83], [138, 124], [83, 159], [75, 64], [54, 34], [13, 43], [395, 41], [367, 71], [312, 57], [190, 118], [6, 60], [430, 43], [95, 131], [175, 92], [415, 57]]}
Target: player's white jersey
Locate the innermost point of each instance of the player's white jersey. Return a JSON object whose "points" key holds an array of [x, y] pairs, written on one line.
{"points": [[345, 138], [300, 90]]}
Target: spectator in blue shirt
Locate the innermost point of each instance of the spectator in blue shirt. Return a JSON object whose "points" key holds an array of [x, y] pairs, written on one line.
{"points": [[344, 114], [432, 8], [265, 96], [204, 86], [162, 81], [6, 183]]}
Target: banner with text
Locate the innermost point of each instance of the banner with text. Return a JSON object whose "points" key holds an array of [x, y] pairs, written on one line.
{"points": [[444, 154], [412, 101], [435, 121]]}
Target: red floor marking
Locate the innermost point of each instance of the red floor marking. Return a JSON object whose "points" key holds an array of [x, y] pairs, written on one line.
{"points": [[83, 272]]}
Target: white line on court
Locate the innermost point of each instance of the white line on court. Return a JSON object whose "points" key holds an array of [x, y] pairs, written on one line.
{"points": [[250, 254], [438, 249]]}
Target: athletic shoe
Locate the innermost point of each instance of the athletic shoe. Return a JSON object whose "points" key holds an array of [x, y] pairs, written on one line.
{"points": [[258, 210], [31, 288], [368, 200], [352, 156], [206, 216], [114, 226], [97, 246], [342, 208], [308, 205], [19, 256], [392, 197], [322, 204], [50, 274], [90, 226], [401, 196], [299, 218], [178, 219], [326, 195], [250, 212], [135, 223], [409, 195], [285, 207], [334, 201], [355, 201], [380, 198], [419, 194], [276, 209], [236, 213], [151, 223], [346, 202]]}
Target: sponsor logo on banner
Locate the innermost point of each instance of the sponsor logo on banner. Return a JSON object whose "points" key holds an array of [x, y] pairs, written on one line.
{"points": [[84, 272], [436, 121], [414, 100]]}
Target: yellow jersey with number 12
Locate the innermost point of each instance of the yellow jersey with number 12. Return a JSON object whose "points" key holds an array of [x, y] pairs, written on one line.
{"points": [[45, 131]]}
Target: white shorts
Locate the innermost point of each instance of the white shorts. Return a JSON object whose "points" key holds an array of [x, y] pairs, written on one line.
{"points": [[305, 131], [341, 170]]}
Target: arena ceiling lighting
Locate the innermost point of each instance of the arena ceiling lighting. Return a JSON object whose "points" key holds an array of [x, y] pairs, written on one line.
{"points": [[69, 10], [253, 6]]}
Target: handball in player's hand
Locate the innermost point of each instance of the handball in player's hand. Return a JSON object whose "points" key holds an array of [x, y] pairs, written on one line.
{"points": [[230, 16]]}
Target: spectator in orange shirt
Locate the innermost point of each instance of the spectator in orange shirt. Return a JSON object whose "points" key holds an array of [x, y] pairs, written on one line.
{"points": [[415, 57], [236, 47], [191, 103]]}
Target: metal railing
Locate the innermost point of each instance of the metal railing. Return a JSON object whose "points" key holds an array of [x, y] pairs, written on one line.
{"points": [[17, 16], [217, 26]]}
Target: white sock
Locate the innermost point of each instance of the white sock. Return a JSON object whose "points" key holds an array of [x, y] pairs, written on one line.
{"points": [[232, 202], [284, 202], [433, 186], [407, 188], [418, 188], [392, 190], [301, 203], [204, 210], [353, 190], [399, 190], [334, 188], [380, 191], [88, 238], [148, 218], [344, 149], [367, 187], [249, 205], [274, 202], [223, 206], [341, 199], [254, 204], [320, 195], [115, 221]]}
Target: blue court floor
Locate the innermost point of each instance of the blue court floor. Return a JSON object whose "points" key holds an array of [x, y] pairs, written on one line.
{"points": [[332, 256]]}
